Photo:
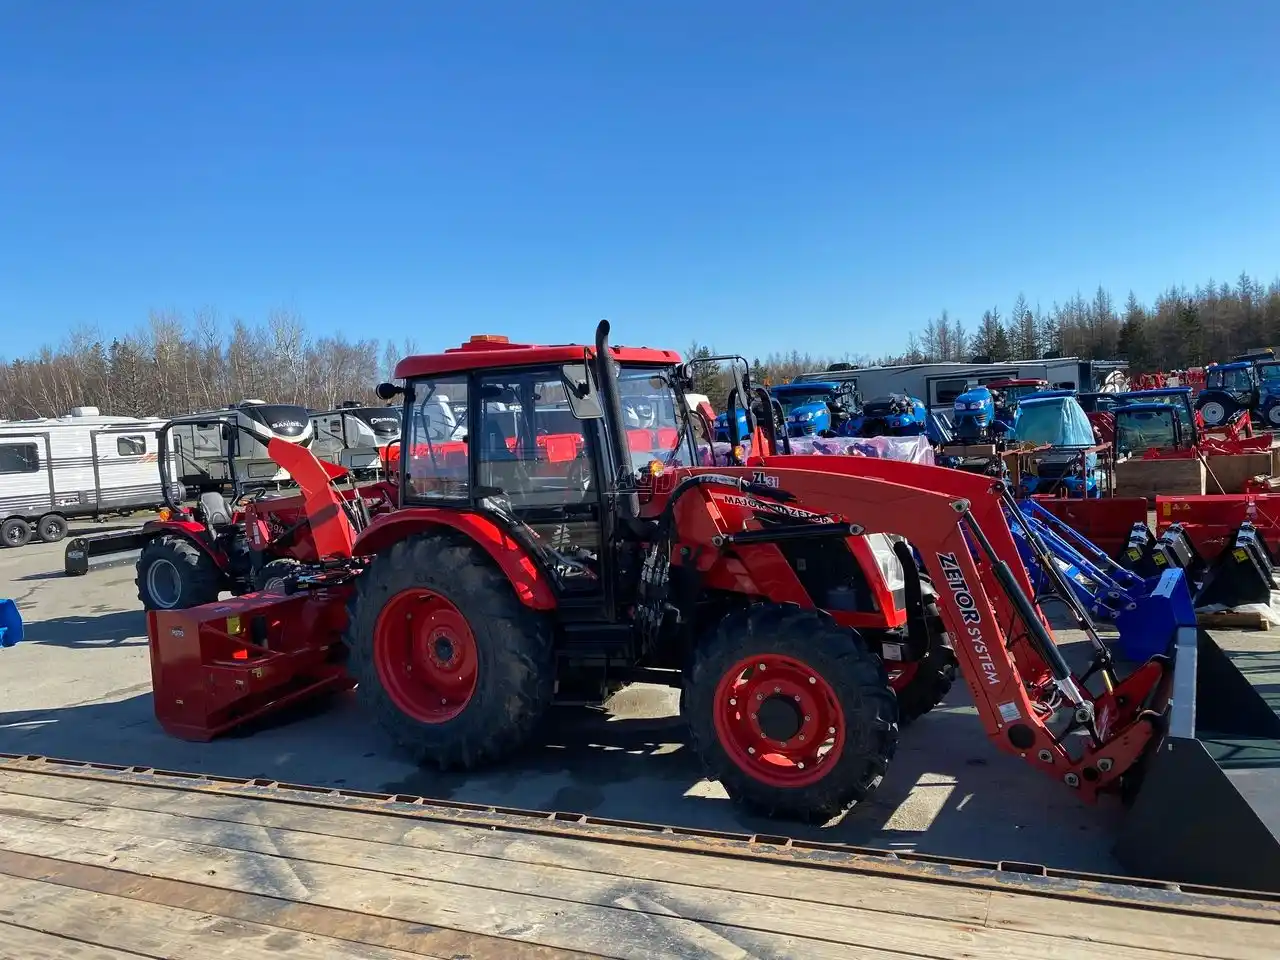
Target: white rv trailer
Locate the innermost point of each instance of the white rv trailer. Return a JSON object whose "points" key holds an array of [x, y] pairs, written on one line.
{"points": [[214, 449], [53, 470], [938, 384], [355, 436]]}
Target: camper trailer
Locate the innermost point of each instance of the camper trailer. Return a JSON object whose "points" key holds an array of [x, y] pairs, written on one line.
{"points": [[54, 470], [211, 450], [938, 384], [355, 436]]}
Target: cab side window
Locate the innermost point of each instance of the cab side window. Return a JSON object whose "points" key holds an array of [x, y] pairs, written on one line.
{"points": [[436, 443], [531, 447]]}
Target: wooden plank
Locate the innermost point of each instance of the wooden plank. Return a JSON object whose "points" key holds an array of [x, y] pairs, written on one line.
{"points": [[19, 943], [361, 928], [1147, 478], [872, 892], [635, 923], [1234, 471], [167, 932], [1234, 620], [1101, 924]]}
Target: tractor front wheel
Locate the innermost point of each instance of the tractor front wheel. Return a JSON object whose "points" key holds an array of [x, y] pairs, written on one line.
{"points": [[790, 712], [921, 686], [453, 666]]}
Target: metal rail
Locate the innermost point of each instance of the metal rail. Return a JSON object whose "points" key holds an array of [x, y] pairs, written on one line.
{"points": [[1008, 876]]}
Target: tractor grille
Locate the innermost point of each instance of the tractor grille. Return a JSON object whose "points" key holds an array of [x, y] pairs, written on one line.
{"points": [[829, 574]]}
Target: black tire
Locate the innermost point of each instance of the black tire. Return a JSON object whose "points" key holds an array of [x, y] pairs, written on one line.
{"points": [[52, 527], [515, 673], [844, 662], [15, 532], [1270, 415], [276, 571], [191, 573], [934, 675]]}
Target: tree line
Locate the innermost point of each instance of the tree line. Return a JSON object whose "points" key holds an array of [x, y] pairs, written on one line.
{"points": [[175, 364]]}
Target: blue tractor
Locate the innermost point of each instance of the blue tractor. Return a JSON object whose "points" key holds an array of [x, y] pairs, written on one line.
{"points": [[1055, 418], [1228, 389], [896, 415], [822, 408]]}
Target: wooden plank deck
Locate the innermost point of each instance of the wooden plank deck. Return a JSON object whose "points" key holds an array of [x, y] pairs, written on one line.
{"points": [[98, 863]]}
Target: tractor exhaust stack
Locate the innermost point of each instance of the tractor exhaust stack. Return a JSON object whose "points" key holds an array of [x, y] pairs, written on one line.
{"points": [[1208, 808]]}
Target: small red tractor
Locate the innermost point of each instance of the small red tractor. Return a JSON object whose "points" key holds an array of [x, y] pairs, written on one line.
{"points": [[570, 532], [193, 553]]}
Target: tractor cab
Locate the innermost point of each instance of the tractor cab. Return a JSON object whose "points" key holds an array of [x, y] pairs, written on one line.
{"points": [[1177, 398], [817, 408], [1140, 427]]}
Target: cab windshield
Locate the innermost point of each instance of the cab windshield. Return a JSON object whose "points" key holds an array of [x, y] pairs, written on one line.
{"points": [[653, 419], [1140, 430]]}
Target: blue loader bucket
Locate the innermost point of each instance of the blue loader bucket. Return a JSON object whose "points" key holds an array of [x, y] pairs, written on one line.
{"points": [[10, 623]]}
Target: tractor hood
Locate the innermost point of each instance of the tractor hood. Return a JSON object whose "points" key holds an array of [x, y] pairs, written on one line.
{"points": [[978, 399], [804, 412]]}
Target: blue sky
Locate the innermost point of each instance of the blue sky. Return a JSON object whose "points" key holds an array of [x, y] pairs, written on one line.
{"points": [[763, 176]]}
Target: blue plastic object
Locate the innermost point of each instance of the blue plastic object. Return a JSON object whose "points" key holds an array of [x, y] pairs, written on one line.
{"points": [[1145, 611], [1061, 423], [10, 623]]}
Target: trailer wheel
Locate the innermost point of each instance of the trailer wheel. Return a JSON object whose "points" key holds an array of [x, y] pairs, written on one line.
{"points": [[453, 666], [15, 532], [790, 712], [52, 527], [275, 574], [174, 574]]}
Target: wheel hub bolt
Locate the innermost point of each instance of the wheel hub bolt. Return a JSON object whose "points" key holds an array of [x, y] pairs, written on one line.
{"points": [[800, 765], [813, 679], [802, 736], [733, 702], [751, 750], [759, 696], [831, 730]]}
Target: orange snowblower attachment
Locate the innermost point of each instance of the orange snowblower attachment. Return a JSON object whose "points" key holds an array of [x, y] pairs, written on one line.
{"points": [[1184, 732]]}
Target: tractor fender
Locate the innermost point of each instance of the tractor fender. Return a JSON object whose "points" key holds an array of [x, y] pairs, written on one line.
{"points": [[530, 584], [190, 530]]}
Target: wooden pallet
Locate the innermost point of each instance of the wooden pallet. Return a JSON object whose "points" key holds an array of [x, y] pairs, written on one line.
{"points": [[98, 866], [1234, 620]]}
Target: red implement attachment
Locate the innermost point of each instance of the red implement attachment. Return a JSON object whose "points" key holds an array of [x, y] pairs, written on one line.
{"points": [[224, 664], [1106, 522], [1211, 522]]}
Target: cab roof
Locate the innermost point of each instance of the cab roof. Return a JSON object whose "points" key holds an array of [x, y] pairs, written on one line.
{"points": [[489, 351]]}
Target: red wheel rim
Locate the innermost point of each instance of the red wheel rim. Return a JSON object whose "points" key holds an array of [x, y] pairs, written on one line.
{"points": [[901, 675], [425, 655], [779, 720]]}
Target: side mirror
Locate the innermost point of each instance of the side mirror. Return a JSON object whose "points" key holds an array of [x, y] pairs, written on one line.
{"points": [[683, 375], [388, 391], [580, 391]]}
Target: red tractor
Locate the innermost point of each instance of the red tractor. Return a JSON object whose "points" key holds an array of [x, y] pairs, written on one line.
{"points": [[192, 553], [573, 534]]}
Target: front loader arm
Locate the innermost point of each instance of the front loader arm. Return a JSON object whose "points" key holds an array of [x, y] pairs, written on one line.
{"points": [[1009, 659]]}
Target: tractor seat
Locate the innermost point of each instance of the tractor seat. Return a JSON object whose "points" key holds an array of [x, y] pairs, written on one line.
{"points": [[213, 506]]}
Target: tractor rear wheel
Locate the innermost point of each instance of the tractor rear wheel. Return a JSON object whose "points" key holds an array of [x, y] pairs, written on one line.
{"points": [[175, 574], [453, 666], [790, 712]]}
